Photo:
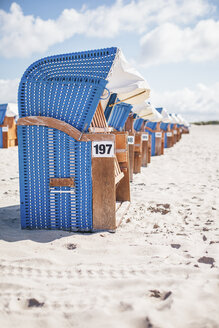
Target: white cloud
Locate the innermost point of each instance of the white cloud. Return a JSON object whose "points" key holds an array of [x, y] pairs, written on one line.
{"points": [[170, 43], [8, 90], [21, 35], [201, 103]]}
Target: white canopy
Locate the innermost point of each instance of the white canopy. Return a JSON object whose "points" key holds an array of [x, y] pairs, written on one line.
{"points": [[147, 111], [174, 118], [12, 110], [186, 123], [181, 120], [126, 81], [166, 118]]}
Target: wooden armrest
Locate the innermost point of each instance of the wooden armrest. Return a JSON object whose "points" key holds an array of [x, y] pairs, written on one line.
{"points": [[54, 123]]}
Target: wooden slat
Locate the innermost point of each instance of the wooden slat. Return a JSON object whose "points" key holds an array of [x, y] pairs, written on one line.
{"points": [[104, 193], [52, 123], [103, 118], [5, 139], [62, 182], [122, 156], [100, 130], [64, 127], [145, 153], [129, 124], [98, 137], [137, 162], [137, 153], [99, 120], [158, 144], [121, 140], [131, 161], [149, 149]]}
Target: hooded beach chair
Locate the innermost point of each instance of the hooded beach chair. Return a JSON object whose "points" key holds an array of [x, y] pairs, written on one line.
{"points": [[174, 127], [116, 116], [168, 140], [68, 169], [147, 112], [143, 138], [165, 127], [8, 129], [181, 126], [156, 133], [152, 126]]}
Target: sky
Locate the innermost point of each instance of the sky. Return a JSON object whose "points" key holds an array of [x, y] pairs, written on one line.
{"points": [[174, 44]]}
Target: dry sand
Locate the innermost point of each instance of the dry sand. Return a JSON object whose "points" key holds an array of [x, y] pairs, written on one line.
{"points": [[148, 274]]}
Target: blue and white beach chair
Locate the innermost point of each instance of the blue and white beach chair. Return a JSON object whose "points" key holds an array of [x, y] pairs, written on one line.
{"points": [[8, 129], [58, 97]]}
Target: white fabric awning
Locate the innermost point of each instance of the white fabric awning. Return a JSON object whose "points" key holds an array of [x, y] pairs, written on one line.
{"points": [[182, 120], [166, 118], [12, 110], [174, 118], [126, 81], [147, 112]]}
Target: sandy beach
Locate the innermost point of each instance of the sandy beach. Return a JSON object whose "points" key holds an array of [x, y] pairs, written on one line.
{"points": [[159, 270]]}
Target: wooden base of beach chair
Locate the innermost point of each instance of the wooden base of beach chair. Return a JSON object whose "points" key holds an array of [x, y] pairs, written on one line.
{"points": [[104, 193], [179, 133], [9, 132], [145, 145], [162, 144], [122, 154], [137, 153], [131, 161], [174, 136], [169, 141], [158, 145], [107, 213], [149, 150], [110, 182], [121, 210]]}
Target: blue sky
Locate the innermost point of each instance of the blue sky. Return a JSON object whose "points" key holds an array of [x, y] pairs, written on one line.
{"points": [[173, 43]]}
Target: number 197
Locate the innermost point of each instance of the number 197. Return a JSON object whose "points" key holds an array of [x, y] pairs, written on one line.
{"points": [[103, 149]]}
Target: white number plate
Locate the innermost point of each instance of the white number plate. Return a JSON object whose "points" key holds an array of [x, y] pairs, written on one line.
{"points": [[5, 129], [131, 140], [174, 132], [103, 149], [158, 134], [169, 134], [144, 137]]}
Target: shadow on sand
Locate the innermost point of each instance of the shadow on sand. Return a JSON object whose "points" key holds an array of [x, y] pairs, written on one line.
{"points": [[10, 229]]}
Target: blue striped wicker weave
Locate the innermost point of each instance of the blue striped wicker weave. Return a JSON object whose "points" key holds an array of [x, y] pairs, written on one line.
{"points": [[46, 153], [68, 88], [119, 115], [152, 125], [138, 124], [3, 109], [172, 125], [109, 108], [164, 127]]}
